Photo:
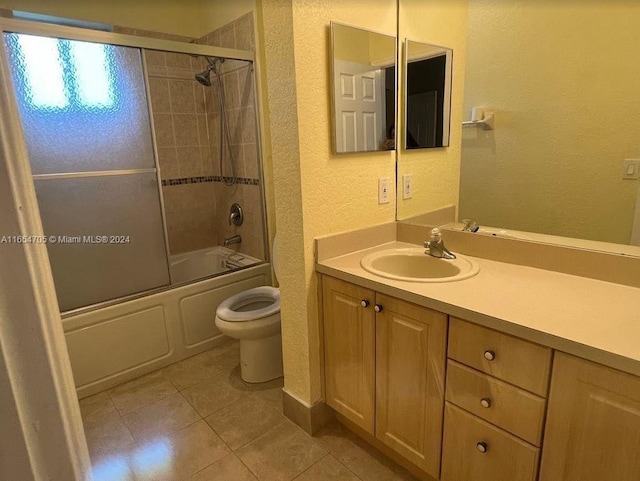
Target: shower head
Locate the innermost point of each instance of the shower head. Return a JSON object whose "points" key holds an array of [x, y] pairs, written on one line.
{"points": [[205, 77]]}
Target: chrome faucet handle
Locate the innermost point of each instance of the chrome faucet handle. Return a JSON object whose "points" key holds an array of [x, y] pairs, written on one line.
{"points": [[470, 225], [435, 247], [236, 216]]}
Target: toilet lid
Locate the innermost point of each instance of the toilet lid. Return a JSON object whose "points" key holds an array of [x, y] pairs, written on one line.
{"points": [[231, 309]]}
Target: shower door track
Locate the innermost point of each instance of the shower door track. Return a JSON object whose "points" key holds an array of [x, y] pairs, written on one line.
{"points": [[99, 173], [88, 35]]}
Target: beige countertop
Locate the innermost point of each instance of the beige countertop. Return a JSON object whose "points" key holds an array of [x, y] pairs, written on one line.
{"points": [[592, 319]]}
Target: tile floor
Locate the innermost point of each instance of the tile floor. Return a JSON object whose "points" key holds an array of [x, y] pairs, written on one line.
{"points": [[196, 420]]}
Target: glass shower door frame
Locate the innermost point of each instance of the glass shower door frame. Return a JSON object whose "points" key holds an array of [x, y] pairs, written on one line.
{"points": [[8, 25]]}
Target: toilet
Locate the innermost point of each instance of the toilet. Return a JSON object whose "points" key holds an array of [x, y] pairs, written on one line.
{"points": [[253, 317]]}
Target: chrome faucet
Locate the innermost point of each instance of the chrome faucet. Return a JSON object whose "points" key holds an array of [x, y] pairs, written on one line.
{"points": [[236, 239], [435, 247], [470, 225]]}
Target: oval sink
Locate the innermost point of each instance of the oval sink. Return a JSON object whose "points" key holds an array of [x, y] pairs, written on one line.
{"points": [[412, 264]]}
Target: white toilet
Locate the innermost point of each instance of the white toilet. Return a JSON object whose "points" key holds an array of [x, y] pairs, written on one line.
{"points": [[253, 317]]}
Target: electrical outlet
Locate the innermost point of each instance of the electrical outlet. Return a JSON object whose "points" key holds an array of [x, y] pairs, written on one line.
{"points": [[407, 186], [383, 190], [631, 169]]}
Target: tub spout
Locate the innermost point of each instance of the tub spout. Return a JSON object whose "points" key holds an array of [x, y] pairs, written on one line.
{"points": [[236, 239]]}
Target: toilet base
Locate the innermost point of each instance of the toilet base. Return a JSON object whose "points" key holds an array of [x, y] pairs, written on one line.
{"points": [[261, 359]]}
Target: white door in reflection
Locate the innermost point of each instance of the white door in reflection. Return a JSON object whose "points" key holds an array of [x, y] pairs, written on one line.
{"points": [[359, 104]]}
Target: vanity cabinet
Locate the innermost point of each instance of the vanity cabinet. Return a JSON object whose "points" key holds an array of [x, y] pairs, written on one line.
{"points": [[349, 351], [495, 405], [410, 369], [593, 423], [501, 413], [385, 367]]}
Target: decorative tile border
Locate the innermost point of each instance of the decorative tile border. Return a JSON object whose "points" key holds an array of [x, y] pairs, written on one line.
{"points": [[208, 178]]}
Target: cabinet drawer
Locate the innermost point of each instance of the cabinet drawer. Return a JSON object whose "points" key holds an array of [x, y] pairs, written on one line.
{"points": [[506, 458], [514, 410], [518, 362]]}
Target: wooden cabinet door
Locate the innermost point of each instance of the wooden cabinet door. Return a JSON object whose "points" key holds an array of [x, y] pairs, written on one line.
{"points": [[410, 369], [349, 349], [593, 424]]}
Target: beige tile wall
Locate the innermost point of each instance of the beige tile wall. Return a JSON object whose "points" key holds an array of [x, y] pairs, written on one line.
{"points": [[187, 121], [237, 78]]}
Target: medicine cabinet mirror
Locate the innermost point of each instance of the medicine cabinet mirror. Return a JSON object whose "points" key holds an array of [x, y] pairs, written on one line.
{"points": [[364, 89], [427, 94]]}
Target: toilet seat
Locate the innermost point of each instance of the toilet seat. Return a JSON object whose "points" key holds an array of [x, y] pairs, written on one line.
{"points": [[228, 309]]}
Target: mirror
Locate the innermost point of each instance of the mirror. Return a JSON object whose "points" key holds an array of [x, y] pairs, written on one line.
{"points": [[564, 94], [428, 95], [364, 89]]}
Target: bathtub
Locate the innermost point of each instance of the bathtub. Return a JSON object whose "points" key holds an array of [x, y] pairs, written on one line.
{"points": [[206, 262], [119, 342]]}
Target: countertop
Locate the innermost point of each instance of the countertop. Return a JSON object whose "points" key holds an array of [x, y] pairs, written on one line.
{"points": [[591, 319]]}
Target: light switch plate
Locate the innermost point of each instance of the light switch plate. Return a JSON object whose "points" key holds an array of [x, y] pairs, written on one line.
{"points": [[631, 169], [407, 186], [383, 190]]}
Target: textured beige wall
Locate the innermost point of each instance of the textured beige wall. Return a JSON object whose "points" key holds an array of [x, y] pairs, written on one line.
{"points": [[339, 192], [436, 172], [180, 18], [563, 80], [316, 193], [276, 31]]}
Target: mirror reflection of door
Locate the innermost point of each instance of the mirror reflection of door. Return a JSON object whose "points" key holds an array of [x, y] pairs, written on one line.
{"points": [[364, 90], [428, 92], [360, 115]]}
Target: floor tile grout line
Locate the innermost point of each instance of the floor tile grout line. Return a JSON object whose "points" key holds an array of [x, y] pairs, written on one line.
{"points": [[230, 453], [257, 436], [255, 475], [308, 468], [345, 466]]}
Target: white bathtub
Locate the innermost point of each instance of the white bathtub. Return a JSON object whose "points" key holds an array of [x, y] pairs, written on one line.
{"points": [[206, 262], [117, 343]]}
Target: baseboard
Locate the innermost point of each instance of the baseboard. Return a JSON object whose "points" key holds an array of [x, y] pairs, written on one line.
{"points": [[311, 418]]}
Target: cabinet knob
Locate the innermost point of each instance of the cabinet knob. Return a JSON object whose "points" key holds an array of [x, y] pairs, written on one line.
{"points": [[485, 402], [489, 355], [377, 308], [482, 447], [364, 303]]}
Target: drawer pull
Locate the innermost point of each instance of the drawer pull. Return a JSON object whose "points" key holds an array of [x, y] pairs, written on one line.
{"points": [[377, 308], [364, 303], [482, 447], [489, 355], [485, 402]]}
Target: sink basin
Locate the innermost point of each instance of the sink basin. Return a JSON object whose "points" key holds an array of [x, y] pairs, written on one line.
{"points": [[412, 264]]}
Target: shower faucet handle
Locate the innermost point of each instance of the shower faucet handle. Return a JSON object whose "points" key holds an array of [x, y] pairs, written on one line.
{"points": [[236, 216]]}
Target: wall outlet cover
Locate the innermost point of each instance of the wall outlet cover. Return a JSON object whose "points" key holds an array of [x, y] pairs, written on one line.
{"points": [[631, 169], [407, 186], [383, 190]]}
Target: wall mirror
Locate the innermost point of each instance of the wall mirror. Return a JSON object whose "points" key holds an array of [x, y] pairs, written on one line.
{"points": [[427, 94], [565, 97], [364, 89]]}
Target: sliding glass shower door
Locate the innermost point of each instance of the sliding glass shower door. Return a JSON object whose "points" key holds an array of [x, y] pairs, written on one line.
{"points": [[85, 118]]}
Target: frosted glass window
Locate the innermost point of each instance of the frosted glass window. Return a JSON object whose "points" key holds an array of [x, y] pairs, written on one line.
{"points": [[93, 74], [83, 105], [43, 73], [78, 211]]}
